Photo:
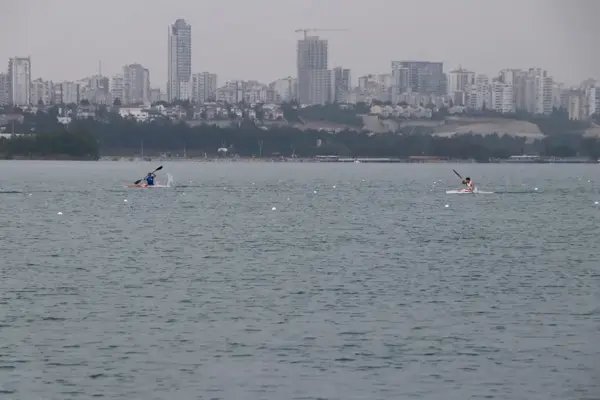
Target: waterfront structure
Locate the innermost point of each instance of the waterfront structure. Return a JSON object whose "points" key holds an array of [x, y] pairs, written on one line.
{"points": [[179, 84]]}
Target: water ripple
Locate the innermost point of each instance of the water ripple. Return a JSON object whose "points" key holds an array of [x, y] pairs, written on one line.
{"points": [[371, 289]]}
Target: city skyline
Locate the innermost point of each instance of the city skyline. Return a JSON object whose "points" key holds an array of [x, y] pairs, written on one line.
{"points": [[227, 40]]}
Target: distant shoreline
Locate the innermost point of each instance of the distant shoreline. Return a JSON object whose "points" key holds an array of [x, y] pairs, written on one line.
{"points": [[47, 158], [324, 159]]}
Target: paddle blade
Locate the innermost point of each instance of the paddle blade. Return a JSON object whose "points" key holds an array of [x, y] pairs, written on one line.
{"points": [[457, 174], [137, 182], [158, 169]]}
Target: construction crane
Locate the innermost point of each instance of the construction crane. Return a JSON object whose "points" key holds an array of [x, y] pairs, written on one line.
{"points": [[319, 30]]}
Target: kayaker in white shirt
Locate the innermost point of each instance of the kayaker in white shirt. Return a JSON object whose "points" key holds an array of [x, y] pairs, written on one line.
{"points": [[470, 185]]}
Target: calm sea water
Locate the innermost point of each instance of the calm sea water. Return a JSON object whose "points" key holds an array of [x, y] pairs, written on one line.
{"points": [[361, 284]]}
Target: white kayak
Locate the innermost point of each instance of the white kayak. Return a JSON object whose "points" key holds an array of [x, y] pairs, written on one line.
{"points": [[467, 191], [145, 186]]}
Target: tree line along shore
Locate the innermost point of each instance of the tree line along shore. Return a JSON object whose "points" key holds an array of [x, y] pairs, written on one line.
{"points": [[42, 136]]}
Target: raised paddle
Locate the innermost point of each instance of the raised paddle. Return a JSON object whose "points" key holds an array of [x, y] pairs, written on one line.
{"points": [[157, 169]]}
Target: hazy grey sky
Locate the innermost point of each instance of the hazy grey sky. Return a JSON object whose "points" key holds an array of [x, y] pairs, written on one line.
{"points": [[243, 39]]}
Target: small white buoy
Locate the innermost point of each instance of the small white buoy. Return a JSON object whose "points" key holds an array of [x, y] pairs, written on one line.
{"points": [[334, 186], [447, 205], [535, 189], [30, 194], [315, 192], [59, 213], [596, 202], [273, 209], [125, 200]]}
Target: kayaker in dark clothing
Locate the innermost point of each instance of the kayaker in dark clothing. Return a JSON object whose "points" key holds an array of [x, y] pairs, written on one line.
{"points": [[150, 179]]}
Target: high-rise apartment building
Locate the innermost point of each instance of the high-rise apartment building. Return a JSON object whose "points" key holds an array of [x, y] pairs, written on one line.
{"points": [[593, 100], [502, 98], [480, 95], [204, 87], [156, 95], [516, 78], [400, 81], [423, 76], [285, 89], [314, 79], [537, 91], [136, 85], [42, 92], [117, 88], [95, 89], [3, 88], [576, 104], [67, 93], [179, 85], [341, 84], [19, 81], [459, 80]]}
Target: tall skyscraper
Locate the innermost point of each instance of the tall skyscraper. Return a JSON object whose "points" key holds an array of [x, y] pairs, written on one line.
{"points": [[136, 85], [179, 85], [314, 79], [19, 81], [423, 76]]}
